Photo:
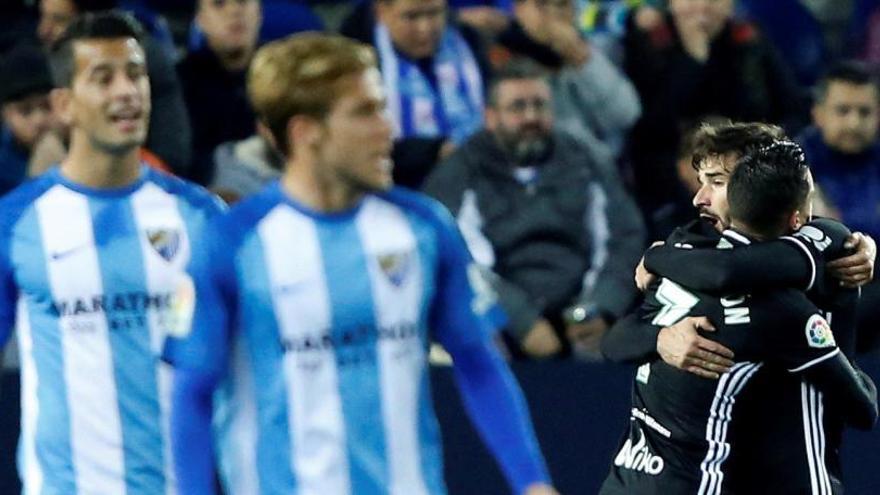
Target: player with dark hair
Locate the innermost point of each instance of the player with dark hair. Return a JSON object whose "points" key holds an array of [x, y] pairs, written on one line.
{"points": [[90, 255], [692, 435]]}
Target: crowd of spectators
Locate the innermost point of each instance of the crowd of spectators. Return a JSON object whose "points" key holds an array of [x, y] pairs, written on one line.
{"points": [[555, 130]]}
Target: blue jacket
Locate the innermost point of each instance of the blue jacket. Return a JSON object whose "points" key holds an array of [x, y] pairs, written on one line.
{"points": [[851, 182]]}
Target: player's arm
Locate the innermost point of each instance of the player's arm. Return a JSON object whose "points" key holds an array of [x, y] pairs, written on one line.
{"points": [[848, 386], [8, 300], [199, 349], [792, 261], [857, 269], [634, 339], [803, 342], [491, 397]]}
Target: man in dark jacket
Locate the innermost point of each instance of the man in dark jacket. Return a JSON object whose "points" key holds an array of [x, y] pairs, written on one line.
{"points": [[844, 153], [699, 61], [556, 229]]}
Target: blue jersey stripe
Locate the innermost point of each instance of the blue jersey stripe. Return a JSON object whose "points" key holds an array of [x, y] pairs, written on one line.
{"points": [[273, 442], [351, 302], [134, 364], [431, 448], [52, 435]]}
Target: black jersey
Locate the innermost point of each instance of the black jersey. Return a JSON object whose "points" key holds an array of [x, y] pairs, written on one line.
{"points": [[798, 446], [692, 435]]}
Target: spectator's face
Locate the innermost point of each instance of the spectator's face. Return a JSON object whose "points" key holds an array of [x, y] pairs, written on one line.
{"points": [[230, 25], [560, 10], [521, 118], [711, 198], [55, 16], [353, 143], [28, 118], [415, 26], [848, 116], [707, 15], [108, 101]]}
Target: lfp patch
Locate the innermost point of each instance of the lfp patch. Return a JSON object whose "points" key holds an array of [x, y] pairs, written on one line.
{"points": [[183, 305], [819, 333]]}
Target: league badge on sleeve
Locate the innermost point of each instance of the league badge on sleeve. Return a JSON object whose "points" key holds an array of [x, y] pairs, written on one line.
{"points": [[819, 333], [183, 306]]}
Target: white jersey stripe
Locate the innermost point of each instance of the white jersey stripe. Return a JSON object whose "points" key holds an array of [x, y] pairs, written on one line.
{"points": [[156, 211], [240, 413], [30, 405], [293, 262], [720, 415], [96, 432], [820, 424], [818, 360], [397, 293]]}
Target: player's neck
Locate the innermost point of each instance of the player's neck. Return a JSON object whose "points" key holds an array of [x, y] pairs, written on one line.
{"points": [[747, 231], [302, 182], [97, 169]]}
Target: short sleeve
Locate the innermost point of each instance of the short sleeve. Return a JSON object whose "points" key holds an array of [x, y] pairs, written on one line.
{"points": [[204, 305]]}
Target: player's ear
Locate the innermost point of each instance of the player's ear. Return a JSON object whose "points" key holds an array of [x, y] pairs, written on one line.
{"points": [[795, 221], [304, 131], [60, 100]]}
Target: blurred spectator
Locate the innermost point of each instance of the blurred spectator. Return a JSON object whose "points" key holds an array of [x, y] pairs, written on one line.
{"points": [[280, 18], [843, 151], [244, 167], [604, 22], [434, 73], [169, 133], [556, 228], [842, 146], [26, 113], [214, 79], [592, 99], [698, 62]]}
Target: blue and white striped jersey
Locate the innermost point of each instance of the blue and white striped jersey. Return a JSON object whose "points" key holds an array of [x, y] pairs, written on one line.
{"points": [[325, 319], [86, 279]]}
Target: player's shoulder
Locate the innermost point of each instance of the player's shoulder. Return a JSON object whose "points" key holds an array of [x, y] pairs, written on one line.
{"points": [[193, 194], [423, 207], [247, 213], [16, 202], [694, 235], [823, 235]]}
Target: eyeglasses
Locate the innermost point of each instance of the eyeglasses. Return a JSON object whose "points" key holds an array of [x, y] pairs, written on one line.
{"points": [[522, 105]]}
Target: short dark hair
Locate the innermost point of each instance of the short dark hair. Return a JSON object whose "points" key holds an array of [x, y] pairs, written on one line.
{"points": [[83, 6], [100, 25], [517, 68], [767, 186], [739, 138], [847, 71]]}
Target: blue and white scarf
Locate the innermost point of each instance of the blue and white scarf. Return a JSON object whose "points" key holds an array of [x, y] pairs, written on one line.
{"points": [[415, 109]]}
